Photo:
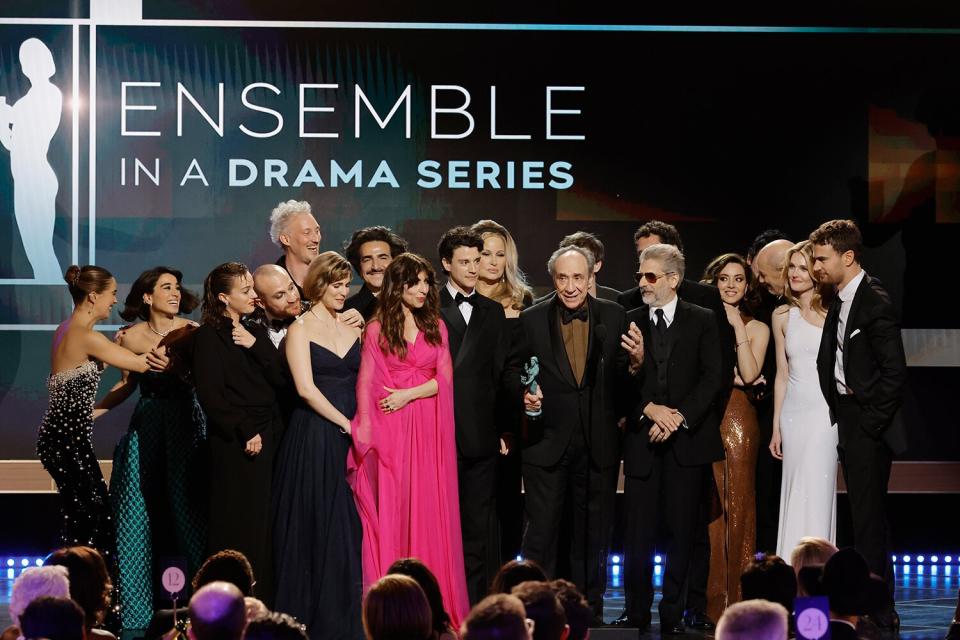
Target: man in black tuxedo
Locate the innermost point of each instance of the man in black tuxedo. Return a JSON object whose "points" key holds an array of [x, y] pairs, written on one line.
{"points": [[584, 349], [671, 439], [862, 371], [370, 251], [477, 338], [707, 296]]}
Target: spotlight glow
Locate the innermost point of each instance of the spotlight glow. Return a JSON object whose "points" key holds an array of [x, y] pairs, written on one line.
{"points": [[615, 559], [9, 562], [920, 558], [934, 559], [24, 562], [906, 559], [657, 559]]}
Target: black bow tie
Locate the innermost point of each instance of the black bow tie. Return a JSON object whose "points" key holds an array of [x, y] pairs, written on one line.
{"points": [[460, 299], [278, 325], [569, 315]]}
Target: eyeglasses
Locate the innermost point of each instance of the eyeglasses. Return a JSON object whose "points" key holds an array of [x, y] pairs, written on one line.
{"points": [[650, 276]]}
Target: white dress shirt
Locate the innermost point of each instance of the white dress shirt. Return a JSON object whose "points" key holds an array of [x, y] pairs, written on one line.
{"points": [[846, 296], [669, 310], [466, 309], [276, 335]]}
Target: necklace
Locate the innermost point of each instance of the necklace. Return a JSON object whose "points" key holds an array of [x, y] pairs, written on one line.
{"points": [[162, 334]]}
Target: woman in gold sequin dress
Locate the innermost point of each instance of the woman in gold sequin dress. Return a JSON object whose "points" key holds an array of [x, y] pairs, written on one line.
{"points": [[733, 523]]}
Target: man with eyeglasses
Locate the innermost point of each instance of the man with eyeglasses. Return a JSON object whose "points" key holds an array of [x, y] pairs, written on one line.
{"points": [[707, 296], [671, 440]]}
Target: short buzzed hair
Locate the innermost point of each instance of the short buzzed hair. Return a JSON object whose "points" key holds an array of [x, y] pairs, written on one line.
{"points": [[217, 612], [544, 608], [587, 255], [669, 255], [753, 620]]}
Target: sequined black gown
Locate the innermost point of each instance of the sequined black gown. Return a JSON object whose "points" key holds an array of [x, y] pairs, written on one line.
{"points": [[65, 447]]}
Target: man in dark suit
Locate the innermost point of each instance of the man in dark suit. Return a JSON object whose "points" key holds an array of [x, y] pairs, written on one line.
{"points": [[671, 439], [590, 242], [477, 339], [584, 349], [708, 297], [862, 371], [370, 251]]}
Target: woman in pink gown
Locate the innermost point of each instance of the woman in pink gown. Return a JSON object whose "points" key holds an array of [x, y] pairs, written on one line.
{"points": [[403, 464]]}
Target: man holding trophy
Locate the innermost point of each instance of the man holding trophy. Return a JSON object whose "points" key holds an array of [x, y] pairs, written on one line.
{"points": [[572, 370]]}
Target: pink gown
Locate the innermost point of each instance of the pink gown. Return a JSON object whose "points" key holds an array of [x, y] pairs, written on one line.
{"points": [[403, 467]]}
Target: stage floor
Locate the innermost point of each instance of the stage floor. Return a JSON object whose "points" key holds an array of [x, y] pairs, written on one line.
{"points": [[926, 598]]}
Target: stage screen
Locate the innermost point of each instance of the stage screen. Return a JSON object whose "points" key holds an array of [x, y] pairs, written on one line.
{"points": [[173, 142]]}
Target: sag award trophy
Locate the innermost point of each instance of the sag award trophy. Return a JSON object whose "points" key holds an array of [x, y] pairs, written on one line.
{"points": [[531, 425]]}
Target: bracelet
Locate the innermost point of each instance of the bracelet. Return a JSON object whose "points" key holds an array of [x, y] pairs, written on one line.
{"points": [[742, 343]]}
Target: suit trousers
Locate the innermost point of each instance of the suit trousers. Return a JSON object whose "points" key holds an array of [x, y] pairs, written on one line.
{"points": [[668, 497], [591, 491], [478, 523], [866, 461]]}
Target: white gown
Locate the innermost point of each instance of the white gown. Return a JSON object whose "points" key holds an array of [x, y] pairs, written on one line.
{"points": [[808, 493]]}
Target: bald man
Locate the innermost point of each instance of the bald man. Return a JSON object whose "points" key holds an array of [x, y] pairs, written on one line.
{"points": [[217, 612], [279, 299], [769, 265]]}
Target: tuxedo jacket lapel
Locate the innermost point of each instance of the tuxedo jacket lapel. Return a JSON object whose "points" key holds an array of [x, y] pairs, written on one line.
{"points": [[855, 305], [455, 322]]}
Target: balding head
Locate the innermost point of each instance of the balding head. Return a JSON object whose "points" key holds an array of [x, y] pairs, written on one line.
{"points": [[217, 612], [277, 295], [770, 263]]}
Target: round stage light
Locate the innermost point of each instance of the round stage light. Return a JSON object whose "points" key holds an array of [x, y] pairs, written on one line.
{"points": [[24, 562], [9, 562], [920, 558], [657, 559], [906, 559], [947, 559], [893, 559], [615, 559], [934, 559]]}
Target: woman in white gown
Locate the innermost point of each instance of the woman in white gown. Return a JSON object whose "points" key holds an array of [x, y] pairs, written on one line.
{"points": [[803, 434]]}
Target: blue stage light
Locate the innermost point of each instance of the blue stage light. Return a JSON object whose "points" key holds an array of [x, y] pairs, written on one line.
{"points": [[24, 562], [920, 570], [9, 562], [934, 559], [657, 559], [39, 562], [948, 559], [893, 559], [657, 570], [906, 559], [10, 574], [519, 558], [616, 570], [615, 559], [920, 558]]}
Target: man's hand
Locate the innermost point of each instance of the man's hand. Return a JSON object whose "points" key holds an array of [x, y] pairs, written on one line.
{"points": [[665, 418], [632, 343], [533, 402], [351, 318], [254, 446]]}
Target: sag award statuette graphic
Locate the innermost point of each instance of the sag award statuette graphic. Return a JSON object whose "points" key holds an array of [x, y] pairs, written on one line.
{"points": [[26, 129], [529, 380]]}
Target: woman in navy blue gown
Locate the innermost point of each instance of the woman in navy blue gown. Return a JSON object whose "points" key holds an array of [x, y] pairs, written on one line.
{"points": [[317, 532]]}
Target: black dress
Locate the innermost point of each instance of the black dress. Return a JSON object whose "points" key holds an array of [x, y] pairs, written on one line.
{"points": [[65, 447], [236, 388], [316, 529]]}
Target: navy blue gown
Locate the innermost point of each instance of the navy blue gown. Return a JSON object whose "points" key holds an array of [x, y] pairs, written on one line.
{"points": [[316, 529]]}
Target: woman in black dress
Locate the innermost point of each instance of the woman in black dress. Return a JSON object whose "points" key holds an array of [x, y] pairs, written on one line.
{"points": [[236, 369], [316, 530]]}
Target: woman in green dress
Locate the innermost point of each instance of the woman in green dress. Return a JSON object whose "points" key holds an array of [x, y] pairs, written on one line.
{"points": [[156, 492]]}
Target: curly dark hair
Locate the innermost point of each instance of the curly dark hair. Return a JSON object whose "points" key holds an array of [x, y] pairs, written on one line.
{"points": [[218, 281], [667, 233], [372, 234], [751, 295], [226, 566], [274, 626], [404, 272], [135, 308], [457, 237]]}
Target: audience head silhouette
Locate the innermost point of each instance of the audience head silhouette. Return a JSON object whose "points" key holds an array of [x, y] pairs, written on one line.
{"points": [[497, 617], [217, 612], [396, 609], [753, 620]]}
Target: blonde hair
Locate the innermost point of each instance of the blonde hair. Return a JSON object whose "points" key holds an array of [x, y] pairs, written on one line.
{"points": [[811, 551], [753, 620], [37, 582], [396, 608], [513, 288], [324, 270], [804, 248]]}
